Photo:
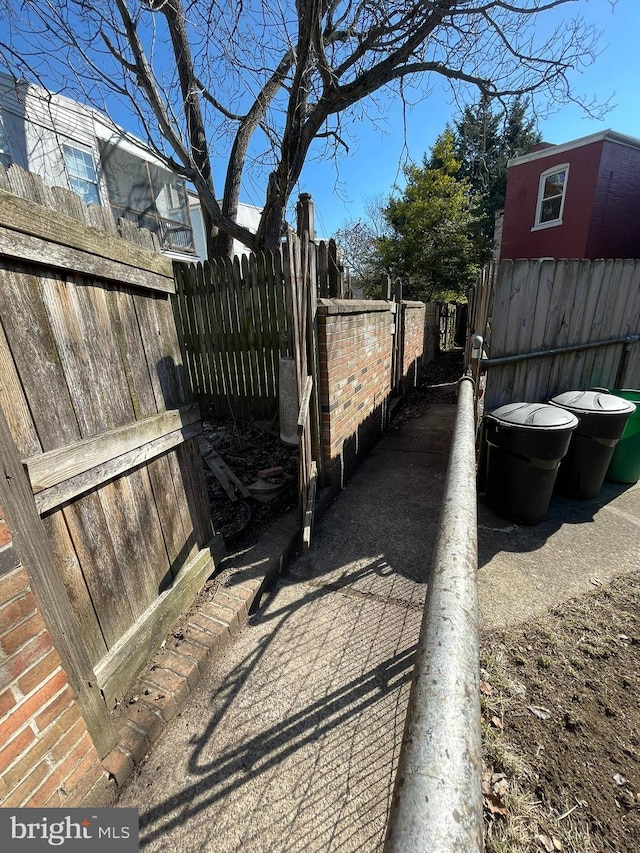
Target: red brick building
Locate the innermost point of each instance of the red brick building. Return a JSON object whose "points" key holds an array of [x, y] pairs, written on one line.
{"points": [[580, 199]]}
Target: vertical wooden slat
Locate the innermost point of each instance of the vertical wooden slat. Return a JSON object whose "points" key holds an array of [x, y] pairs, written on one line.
{"points": [[227, 298], [14, 403], [555, 312], [271, 295], [601, 329], [560, 367], [70, 571], [257, 375], [619, 310], [206, 368], [541, 285], [598, 328], [588, 288], [182, 306], [36, 357], [132, 353], [527, 319], [238, 318], [217, 284], [630, 374], [494, 392]]}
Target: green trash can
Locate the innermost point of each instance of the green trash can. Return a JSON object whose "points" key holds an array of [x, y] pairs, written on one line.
{"points": [[625, 462], [603, 418]]}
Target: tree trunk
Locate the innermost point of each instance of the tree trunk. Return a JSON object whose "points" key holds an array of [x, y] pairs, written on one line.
{"points": [[220, 245]]}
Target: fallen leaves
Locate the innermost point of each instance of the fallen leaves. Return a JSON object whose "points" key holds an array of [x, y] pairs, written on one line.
{"points": [[548, 843], [495, 787]]}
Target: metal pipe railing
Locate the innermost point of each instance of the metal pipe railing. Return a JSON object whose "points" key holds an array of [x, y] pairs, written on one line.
{"points": [[486, 363], [437, 802]]}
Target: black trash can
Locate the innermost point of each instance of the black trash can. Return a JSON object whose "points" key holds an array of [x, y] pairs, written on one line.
{"points": [[526, 442], [602, 418]]}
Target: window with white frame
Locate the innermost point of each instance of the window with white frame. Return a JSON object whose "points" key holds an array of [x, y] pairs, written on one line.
{"points": [[551, 193], [81, 169]]}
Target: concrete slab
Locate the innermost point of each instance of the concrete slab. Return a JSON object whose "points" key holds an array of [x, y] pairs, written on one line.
{"points": [[290, 742], [526, 571]]}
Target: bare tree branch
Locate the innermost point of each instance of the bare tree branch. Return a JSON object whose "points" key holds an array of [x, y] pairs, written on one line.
{"points": [[244, 91]]}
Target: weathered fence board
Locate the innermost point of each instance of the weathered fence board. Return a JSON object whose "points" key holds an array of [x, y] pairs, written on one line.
{"points": [[576, 306], [99, 409], [59, 229], [63, 463]]}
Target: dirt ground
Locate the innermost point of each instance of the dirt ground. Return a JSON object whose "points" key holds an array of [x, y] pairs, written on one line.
{"points": [[561, 725]]}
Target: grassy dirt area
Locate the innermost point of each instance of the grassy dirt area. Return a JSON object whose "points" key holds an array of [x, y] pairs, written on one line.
{"points": [[561, 727]]}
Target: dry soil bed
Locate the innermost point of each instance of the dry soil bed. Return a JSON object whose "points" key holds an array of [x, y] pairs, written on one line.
{"points": [[561, 723]]}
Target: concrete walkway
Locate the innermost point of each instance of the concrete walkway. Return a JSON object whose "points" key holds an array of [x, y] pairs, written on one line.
{"points": [[291, 740]]}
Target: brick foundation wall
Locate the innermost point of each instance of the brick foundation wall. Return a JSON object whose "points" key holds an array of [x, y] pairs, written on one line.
{"points": [[47, 757], [355, 341], [414, 320]]}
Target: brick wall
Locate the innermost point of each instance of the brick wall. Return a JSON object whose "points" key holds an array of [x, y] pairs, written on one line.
{"points": [[414, 333], [355, 342], [47, 757]]}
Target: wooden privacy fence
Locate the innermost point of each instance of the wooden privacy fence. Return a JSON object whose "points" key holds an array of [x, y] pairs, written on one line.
{"points": [[552, 326], [95, 402]]}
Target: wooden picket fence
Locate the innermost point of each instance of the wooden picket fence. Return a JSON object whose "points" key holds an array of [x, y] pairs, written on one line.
{"points": [[233, 327], [234, 323]]}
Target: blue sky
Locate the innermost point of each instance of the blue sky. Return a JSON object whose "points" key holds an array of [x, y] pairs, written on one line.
{"points": [[372, 166]]}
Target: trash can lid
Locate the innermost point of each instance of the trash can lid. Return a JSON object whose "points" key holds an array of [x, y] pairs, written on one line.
{"points": [[534, 416], [593, 402]]}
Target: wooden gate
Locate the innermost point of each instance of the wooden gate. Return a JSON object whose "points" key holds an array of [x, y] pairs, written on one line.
{"points": [[232, 323], [94, 402], [300, 262], [236, 319]]}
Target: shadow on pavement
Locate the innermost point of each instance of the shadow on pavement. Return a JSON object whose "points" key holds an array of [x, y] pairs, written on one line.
{"points": [[311, 714]]}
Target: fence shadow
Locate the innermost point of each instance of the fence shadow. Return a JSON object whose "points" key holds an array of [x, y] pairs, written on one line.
{"points": [[318, 732]]}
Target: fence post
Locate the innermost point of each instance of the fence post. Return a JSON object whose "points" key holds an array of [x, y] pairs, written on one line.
{"points": [[336, 290], [398, 339], [305, 213]]}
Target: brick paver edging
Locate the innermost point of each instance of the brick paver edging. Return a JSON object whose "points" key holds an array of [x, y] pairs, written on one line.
{"points": [[163, 687]]}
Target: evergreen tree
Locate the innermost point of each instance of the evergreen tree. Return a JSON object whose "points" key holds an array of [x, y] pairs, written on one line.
{"points": [[430, 240], [484, 141]]}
